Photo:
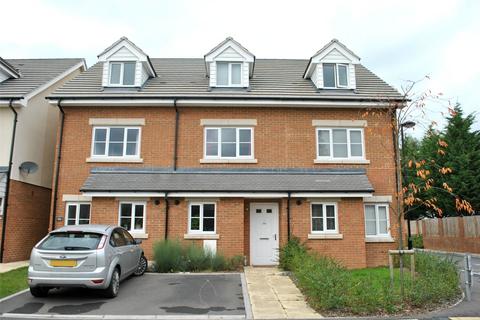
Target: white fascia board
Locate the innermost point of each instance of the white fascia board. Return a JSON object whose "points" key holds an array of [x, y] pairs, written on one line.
{"points": [[8, 72], [228, 194], [54, 80], [94, 194], [335, 46], [168, 102], [330, 195], [16, 103]]}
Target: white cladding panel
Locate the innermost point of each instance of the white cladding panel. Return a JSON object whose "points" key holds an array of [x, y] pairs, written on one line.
{"points": [[229, 54]]}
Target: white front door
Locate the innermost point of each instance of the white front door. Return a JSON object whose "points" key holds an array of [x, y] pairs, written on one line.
{"points": [[264, 234]]}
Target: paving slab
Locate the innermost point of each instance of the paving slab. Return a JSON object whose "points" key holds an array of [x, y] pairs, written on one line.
{"points": [[9, 266]]}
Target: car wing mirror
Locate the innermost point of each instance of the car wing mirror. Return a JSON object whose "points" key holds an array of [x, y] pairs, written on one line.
{"points": [[138, 241]]}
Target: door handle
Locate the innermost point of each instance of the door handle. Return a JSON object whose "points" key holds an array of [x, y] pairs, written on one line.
{"points": [[264, 238]]}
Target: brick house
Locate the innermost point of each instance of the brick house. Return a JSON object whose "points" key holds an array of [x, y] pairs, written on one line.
{"points": [[234, 153], [28, 127]]}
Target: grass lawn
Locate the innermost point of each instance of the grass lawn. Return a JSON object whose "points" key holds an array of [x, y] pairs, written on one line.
{"points": [[13, 281]]}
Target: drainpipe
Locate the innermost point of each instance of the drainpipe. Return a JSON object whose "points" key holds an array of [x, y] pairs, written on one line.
{"points": [[288, 215], [7, 187], [166, 216], [175, 145], [57, 166]]}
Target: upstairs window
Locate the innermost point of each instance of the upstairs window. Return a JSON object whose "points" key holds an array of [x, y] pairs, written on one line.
{"points": [[338, 143], [225, 143], [229, 74], [122, 73], [116, 142], [335, 75]]}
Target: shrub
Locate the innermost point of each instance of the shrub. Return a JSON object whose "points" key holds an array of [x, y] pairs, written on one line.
{"points": [[168, 256], [172, 256], [417, 241]]}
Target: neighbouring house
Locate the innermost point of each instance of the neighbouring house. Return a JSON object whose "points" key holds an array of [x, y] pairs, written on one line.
{"points": [[28, 129], [234, 153]]}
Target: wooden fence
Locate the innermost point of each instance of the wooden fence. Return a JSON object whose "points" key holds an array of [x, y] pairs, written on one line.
{"points": [[455, 234]]}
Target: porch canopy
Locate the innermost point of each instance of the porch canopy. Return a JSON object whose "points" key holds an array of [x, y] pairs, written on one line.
{"points": [[201, 182]]}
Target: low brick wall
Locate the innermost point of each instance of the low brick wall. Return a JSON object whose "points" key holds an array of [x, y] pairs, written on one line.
{"points": [[454, 234]]}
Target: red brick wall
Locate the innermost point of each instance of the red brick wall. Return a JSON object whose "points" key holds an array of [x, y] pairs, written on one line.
{"points": [[27, 219], [283, 138]]}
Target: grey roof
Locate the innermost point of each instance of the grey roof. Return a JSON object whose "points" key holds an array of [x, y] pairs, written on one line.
{"points": [[272, 78], [225, 41], [219, 180], [33, 74]]}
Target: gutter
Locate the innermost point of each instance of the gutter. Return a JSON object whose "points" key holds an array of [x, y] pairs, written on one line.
{"points": [[57, 165], [7, 187]]}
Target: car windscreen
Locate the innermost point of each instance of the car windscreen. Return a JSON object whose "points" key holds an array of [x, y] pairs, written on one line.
{"points": [[71, 241]]}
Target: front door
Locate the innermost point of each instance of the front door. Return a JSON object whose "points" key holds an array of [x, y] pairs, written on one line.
{"points": [[264, 234]]}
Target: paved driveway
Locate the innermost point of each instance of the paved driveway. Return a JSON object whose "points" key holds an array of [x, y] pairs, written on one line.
{"points": [[151, 296]]}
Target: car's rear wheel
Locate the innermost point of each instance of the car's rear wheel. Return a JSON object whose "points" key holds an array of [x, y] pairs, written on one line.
{"points": [[142, 266], [114, 287], [39, 292]]}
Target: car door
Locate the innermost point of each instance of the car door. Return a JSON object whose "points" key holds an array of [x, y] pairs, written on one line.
{"points": [[133, 251], [121, 250]]}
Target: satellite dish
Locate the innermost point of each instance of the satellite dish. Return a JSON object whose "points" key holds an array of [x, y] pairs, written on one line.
{"points": [[28, 167]]}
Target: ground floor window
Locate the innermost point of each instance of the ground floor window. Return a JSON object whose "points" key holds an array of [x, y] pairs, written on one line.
{"points": [[201, 218], [77, 213], [324, 217], [132, 216], [376, 220]]}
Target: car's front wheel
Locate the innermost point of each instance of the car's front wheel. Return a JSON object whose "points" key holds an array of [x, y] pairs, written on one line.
{"points": [[114, 287], [39, 292], [142, 266]]}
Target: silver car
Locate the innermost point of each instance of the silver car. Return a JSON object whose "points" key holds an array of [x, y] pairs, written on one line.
{"points": [[91, 256]]}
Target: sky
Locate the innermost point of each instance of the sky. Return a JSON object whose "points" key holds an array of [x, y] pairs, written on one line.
{"points": [[400, 41]]}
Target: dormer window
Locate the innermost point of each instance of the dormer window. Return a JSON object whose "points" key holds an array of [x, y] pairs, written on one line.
{"points": [[229, 74], [122, 73], [335, 75], [125, 65], [229, 64], [333, 67]]}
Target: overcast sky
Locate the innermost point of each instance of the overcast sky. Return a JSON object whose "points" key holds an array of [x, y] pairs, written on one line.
{"points": [[398, 40]]}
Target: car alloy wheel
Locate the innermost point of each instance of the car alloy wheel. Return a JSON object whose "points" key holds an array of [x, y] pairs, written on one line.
{"points": [[142, 266]]}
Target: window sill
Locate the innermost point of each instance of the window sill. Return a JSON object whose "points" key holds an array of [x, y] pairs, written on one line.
{"points": [[139, 235], [342, 161], [117, 160], [202, 236], [228, 161], [326, 236], [379, 239]]}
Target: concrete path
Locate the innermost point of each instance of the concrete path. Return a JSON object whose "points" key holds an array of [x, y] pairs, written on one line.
{"points": [[273, 295], [5, 267]]}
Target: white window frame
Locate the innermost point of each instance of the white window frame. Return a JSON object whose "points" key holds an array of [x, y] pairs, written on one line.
{"points": [[132, 218], [122, 67], [200, 228], [325, 231], [336, 75], [377, 220], [77, 211], [349, 150], [107, 142], [237, 143], [229, 64]]}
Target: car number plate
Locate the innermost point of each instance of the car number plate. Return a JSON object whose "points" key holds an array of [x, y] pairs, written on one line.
{"points": [[63, 263]]}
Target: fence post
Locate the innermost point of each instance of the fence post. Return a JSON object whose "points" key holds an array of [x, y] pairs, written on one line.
{"points": [[468, 277]]}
